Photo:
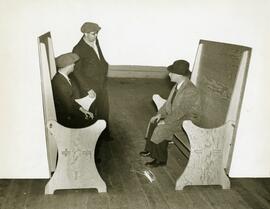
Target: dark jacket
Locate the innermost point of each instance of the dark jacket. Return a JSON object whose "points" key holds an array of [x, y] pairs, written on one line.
{"points": [[90, 72], [67, 110]]}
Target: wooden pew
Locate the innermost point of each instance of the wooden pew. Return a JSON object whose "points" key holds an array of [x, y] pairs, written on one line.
{"points": [[76, 167], [220, 72]]}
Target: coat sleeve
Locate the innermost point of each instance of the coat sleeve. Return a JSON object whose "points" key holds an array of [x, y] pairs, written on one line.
{"points": [[188, 107], [162, 111], [63, 95]]}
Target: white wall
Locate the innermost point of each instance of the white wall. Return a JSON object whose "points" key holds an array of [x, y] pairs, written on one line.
{"points": [[148, 33]]}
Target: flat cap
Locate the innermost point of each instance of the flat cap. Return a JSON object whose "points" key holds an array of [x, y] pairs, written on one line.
{"points": [[88, 27], [66, 59], [180, 67]]}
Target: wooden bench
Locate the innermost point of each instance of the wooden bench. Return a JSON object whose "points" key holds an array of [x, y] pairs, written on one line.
{"points": [[76, 167], [220, 72]]}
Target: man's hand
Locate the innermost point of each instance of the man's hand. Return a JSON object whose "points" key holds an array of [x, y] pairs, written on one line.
{"points": [[155, 118], [88, 115], [92, 93]]}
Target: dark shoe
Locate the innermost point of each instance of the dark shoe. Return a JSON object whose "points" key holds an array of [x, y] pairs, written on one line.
{"points": [[144, 153], [155, 163]]}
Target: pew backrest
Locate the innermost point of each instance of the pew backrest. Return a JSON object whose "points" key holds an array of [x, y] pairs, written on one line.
{"points": [[47, 71], [220, 73]]}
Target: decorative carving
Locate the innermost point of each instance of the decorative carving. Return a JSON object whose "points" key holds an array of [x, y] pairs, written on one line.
{"points": [[217, 88], [76, 153], [76, 165], [205, 165], [65, 152]]}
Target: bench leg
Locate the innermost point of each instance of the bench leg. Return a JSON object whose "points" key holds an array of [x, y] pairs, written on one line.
{"points": [[206, 163], [102, 187], [68, 177], [202, 174], [49, 189], [76, 168]]}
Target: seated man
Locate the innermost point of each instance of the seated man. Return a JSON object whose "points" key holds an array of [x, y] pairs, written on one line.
{"points": [[182, 104], [69, 113]]}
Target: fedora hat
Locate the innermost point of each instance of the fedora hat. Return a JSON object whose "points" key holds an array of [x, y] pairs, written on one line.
{"points": [[180, 67]]}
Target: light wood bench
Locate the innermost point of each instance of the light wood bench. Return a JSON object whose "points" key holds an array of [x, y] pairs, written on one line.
{"points": [[76, 167], [219, 72]]}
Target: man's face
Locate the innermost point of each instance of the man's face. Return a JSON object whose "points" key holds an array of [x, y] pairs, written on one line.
{"points": [[91, 37], [175, 77], [70, 68]]}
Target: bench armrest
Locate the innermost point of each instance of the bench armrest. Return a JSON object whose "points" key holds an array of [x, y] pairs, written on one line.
{"points": [[76, 168], [158, 100], [206, 165], [210, 139]]}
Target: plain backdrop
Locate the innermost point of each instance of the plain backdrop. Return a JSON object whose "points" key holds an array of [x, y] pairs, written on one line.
{"points": [[151, 33]]}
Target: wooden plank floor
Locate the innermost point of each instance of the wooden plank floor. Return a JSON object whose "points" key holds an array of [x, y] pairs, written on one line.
{"points": [[131, 108]]}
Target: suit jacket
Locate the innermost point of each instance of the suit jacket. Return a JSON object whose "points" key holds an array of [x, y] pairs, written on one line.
{"points": [[67, 110], [186, 105], [90, 72]]}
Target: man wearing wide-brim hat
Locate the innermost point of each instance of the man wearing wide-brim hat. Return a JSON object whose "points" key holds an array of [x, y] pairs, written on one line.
{"points": [[182, 104], [91, 71]]}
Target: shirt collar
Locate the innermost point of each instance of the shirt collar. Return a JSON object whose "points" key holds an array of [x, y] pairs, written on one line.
{"points": [[65, 76], [179, 84], [92, 44]]}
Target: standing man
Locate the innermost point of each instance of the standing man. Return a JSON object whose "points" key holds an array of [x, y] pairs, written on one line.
{"points": [[91, 71], [68, 112], [182, 104]]}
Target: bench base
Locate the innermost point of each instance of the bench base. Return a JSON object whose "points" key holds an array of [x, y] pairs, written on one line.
{"points": [[76, 168], [206, 160]]}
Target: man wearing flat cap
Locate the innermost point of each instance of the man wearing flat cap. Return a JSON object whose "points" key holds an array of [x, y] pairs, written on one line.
{"points": [[68, 112], [182, 104], [91, 71]]}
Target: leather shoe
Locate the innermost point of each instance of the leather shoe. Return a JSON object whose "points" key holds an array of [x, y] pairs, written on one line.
{"points": [[155, 163], [144, 153]]}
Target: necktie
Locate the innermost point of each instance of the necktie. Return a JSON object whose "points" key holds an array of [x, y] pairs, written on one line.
{"points": [[174, 93]]}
